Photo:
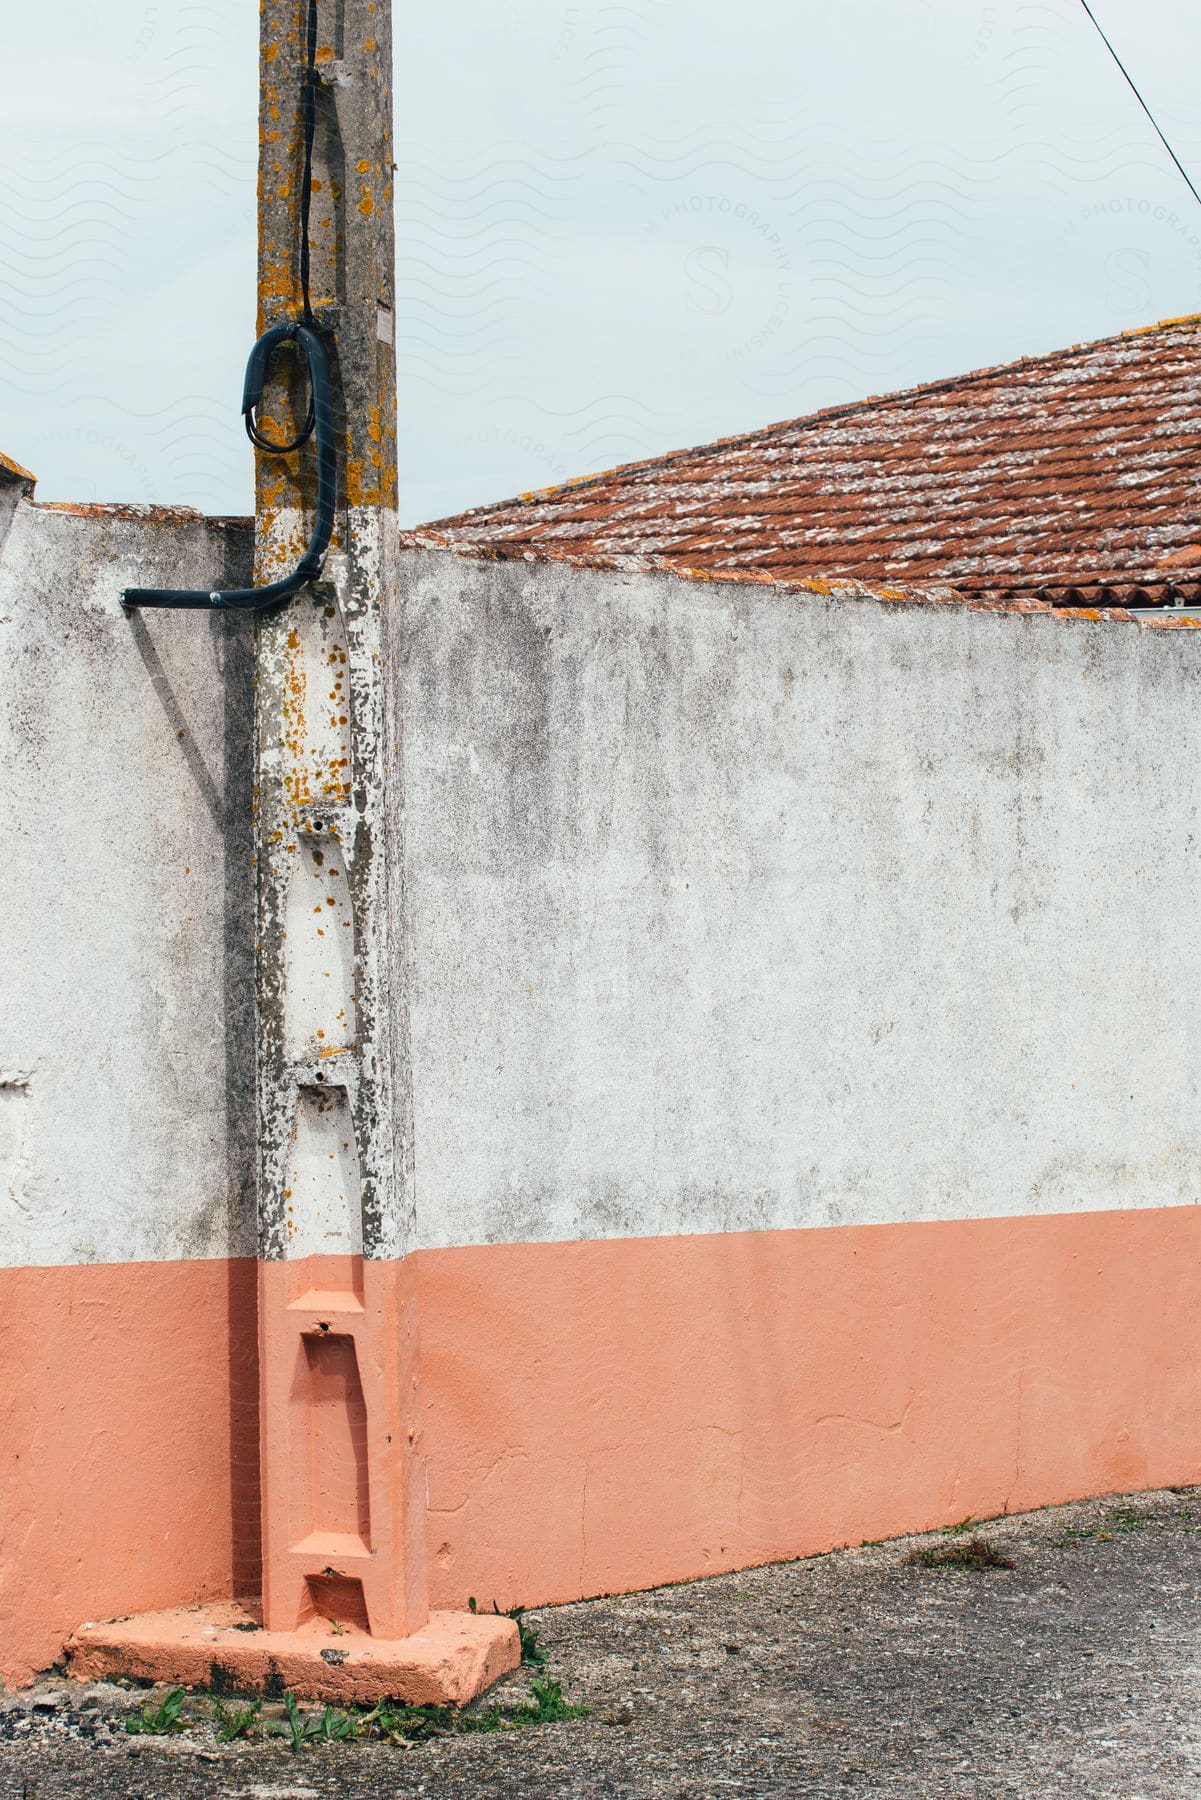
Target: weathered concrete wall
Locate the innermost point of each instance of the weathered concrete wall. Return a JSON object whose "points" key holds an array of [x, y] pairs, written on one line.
{"points": [[128, 1402], [732, 908], [126, 1058], [804, 1009]]}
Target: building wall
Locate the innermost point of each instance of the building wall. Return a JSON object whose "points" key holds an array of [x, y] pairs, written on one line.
{"points": [[733, 910], [621, 1412], [802, 1005], [803, 1002], [126, 1074]]}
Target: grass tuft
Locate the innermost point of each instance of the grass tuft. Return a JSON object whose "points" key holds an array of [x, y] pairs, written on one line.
{"points": [[963, 1553], [545, 1707]]}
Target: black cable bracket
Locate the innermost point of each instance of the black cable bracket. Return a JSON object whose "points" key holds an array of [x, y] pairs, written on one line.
{"points": [[310, 342]]}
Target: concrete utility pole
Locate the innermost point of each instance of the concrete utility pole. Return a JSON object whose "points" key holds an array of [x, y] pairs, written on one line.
{"points": [[344, 1606], [343, 1487], [343, 1515]]}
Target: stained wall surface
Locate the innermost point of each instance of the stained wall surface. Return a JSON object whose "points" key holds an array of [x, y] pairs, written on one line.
{"points": [[735, 909], [802, 1002], [126, 1072], [804, 1005], [126, 1052]]}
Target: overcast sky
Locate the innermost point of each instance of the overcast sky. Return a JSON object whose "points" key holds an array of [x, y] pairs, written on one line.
{"points": [[621, 228]]}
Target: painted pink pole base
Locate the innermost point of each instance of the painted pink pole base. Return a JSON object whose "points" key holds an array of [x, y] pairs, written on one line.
{"points": [[454, 1656]]}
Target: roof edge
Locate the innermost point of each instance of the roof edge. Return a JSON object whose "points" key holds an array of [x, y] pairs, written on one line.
{"points": [[11, 471], [146, 512], [835, 587], [944, 384]]}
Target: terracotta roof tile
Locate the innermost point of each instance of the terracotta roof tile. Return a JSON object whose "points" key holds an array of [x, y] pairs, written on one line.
{"points": [[1067, 477]]}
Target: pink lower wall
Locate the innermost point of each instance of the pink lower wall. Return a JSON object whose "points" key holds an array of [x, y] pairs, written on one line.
{"points": [[606, 1416], [603, 1416], [129, 1425]]}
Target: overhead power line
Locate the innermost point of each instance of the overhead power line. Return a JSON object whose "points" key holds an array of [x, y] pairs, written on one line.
{"points": [[1134, 90]]}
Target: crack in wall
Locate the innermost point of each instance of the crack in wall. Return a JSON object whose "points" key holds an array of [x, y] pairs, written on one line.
{"points": [[14, 1132], [1017, 1436]]}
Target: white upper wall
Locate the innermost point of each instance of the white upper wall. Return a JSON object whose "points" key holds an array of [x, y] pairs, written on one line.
{"points": [[733, 908], [725, 907], [126, 940]]}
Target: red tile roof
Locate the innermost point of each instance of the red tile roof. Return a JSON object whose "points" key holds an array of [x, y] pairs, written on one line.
{"points": [[1071, 477]]}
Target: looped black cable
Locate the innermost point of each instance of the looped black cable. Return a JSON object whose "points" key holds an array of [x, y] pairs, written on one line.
{"points": [[310, 84], [306, 336], [257, 599]]}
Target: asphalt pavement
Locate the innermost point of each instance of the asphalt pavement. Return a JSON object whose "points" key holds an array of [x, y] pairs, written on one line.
{"points": [[923, 1669]]}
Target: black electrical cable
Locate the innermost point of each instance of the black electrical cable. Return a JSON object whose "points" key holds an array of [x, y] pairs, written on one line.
{"points": [[257, 599], [1134, 90], [307, 339], [308, 108], [310, 82]]}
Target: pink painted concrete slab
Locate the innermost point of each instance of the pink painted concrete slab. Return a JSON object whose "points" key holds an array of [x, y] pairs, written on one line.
{"points": [[454, 1656]]}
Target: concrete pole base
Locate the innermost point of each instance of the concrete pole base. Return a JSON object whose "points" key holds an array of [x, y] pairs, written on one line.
{"points": [[224, 1647]]}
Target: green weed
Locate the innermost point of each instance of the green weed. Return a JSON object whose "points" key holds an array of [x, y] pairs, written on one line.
{"points": [[396, 1723], [330, 1726], [335, 1726], [235, 1722], [546, 1707], [548, 1704], [298, 1730], [533, 1654], [158, 1721]]}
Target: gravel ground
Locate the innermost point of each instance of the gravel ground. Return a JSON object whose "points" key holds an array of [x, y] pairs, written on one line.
{"points": [[1075, 1673]]}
